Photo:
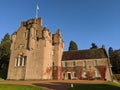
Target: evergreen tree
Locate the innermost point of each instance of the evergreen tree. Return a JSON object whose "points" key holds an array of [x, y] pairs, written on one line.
{"points": [[111, 56], [4, 55], [73, 46], [94, 46], [110, 51], [114, 56]]}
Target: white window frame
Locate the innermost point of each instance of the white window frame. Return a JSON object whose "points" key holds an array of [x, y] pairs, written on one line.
{"points": [[20, 61], [95, 63], [65, 64], [74, 75], [84, 63], [73, 63]]}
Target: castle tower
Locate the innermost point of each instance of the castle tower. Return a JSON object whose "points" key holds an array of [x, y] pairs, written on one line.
{"points": [[32, 52], [58, 46]]}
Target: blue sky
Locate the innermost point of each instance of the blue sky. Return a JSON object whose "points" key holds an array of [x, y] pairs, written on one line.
{"points": [[83, 21]]}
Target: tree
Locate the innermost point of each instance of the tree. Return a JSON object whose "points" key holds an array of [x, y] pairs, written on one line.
{"points": [[5, 55], [114, 56], [73, 46], [94, 46], [110, 52], [111, 56]]}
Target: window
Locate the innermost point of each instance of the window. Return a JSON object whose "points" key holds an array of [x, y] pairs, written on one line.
{"points": [[24, 61], [73, 64], [37, 38], [74, 74], [65, 64], [29, 26], [25, 34], [16, 62], [53, 64], [20, 61], [95, 63], [53, 50], [63, 75], [84, 63]]}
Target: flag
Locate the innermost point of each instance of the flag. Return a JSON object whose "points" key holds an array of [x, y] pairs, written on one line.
{"points": [[37, 7]]}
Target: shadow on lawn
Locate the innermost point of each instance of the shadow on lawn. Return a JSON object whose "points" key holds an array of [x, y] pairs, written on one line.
{"points": [[95, 87], [66, 86], [54, 85]]}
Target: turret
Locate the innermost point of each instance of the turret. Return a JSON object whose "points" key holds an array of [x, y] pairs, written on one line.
{"points": [[13, 40], [58, 46], [47, 34], [34, 31]]}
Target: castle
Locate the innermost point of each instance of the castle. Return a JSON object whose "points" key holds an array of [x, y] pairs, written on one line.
{"points": [[34, 51], [38, 54]]}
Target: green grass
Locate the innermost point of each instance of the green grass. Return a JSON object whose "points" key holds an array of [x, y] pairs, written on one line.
{"points": [[108, 86], [18, 87], [1, 79]]}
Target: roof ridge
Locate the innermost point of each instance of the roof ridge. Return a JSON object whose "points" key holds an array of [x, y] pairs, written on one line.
{"points": [[83, 50]]}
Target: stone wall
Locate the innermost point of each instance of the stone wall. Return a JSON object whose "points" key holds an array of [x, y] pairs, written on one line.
{"points": [[86, 69]]}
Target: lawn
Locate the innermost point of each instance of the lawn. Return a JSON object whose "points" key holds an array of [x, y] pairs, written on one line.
{"points": [[108, 86], [18, 87]]}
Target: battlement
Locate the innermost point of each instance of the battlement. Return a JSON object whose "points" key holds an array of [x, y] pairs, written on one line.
{"points": [[32, 21]]}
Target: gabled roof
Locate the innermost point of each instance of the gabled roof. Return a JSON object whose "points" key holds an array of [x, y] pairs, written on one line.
{"points": [[84, 54]]}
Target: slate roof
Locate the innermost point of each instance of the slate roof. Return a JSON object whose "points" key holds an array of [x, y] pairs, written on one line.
{"points": [[84, 54]]}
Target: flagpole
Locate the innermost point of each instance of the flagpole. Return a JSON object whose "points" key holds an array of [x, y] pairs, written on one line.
{"points": [[36, 12], [37, 8]]}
